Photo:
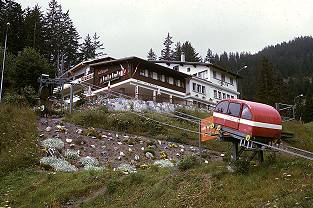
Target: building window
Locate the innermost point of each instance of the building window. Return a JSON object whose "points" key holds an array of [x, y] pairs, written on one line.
{"points": [[142, 72], [160, 77], [163, 78], [177, 82], [199, 88], [214, 74], [146, 73], [231, 80], [219, 95], [224, 96], [151, 74], [171, 80], [215, 94], [223, 77], [188, 69], [203, 89], [228, 96], [154, 75], [232, 97], [194, 86], [203, 75], [176, 68], [167, 79]]}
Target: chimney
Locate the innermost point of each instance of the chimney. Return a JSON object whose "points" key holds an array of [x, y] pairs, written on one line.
{"points": [[182, 57]]}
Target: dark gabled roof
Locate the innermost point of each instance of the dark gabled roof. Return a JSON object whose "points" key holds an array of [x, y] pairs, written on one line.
{"points": [[195, 64], [148, 63]]}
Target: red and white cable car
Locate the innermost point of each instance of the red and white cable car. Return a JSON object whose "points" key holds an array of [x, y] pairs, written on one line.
{"points": [[249, 118]]}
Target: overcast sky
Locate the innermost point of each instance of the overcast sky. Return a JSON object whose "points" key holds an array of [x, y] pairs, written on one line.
{"points": [[132, 27]]}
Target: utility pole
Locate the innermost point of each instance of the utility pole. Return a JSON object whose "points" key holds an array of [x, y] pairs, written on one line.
{"points": [[3, 61]]}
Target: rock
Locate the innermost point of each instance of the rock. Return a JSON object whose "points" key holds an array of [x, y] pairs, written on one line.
{"points": [[149, 155], [181, 146], [93, 137], [126, 137], [137, 158], [104, 136], [53, 143], [206, 162], [116, 135], [119, 157], [72, 154], [72, 145], [92, 146], [182, 150], [89, 161], [130, 150], [58, 164], [103, 147], [160, 142], [68, 140], [126, 168], [115, 148], [79, 131], [177, 154], [48, 129], [119, 143], [142, 148], [222, 155], [163, 163], [122, 154], [41, 135]]}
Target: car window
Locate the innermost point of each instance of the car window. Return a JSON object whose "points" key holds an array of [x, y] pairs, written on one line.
{"points": [[221, 107], [246, 113], [234, 109]]}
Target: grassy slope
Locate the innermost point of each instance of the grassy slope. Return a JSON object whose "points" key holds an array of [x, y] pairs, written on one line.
{"points": [[204, 186], [18, 133]]}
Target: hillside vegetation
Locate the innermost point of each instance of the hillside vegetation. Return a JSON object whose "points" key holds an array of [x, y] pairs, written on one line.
{"points": [[284, 182]]}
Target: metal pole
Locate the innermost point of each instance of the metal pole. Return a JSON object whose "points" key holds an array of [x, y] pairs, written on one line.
{"points": [[3, 61], [71, 98], [199, 133]]}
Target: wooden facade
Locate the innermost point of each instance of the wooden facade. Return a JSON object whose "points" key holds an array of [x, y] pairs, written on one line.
{"points": [[120, 70]]}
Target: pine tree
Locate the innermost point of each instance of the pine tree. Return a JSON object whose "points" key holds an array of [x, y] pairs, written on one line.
{"points": [[190, 53], [167, 52], [12, 12], [87, 49], [209, 56], [90, 47], [62, 38], [34, 28], [270, 84], [151, 55], [177, 52], [97, 45]]}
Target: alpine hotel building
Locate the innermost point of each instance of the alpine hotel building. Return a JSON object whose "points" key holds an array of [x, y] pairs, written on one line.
{"points": [[179, 82]]}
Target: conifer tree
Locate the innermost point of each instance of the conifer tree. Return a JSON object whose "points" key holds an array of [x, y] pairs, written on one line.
{"points": [[177, 52], [167, 52], [91, 47], [269, 84], [209, 56], [34, 28], [190, 53], [151, 55]]}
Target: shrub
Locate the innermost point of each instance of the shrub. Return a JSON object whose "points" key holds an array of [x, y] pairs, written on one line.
{"points": [[112, 186], [188, 162], [240, 166]]}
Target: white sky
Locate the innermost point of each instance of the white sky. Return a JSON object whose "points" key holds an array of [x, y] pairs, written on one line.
{"points": [[132, 27]]}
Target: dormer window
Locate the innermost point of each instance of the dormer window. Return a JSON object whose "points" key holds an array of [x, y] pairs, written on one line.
{"points": [[214, 74], [223, 77]]}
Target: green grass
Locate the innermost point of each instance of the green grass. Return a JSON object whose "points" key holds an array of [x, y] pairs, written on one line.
{"points": [[288, 182], [203, 186], [130, 123], [18, 134]]}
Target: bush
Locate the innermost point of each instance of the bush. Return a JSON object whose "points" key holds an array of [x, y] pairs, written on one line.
{"points": [[240, 166], [188, 162]]}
